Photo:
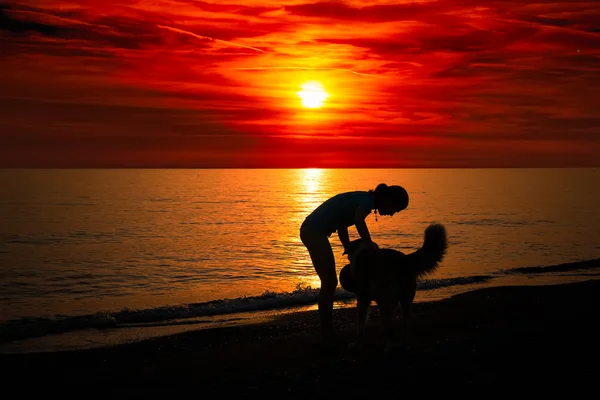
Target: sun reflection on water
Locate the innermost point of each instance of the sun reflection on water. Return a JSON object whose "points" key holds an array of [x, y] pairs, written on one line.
{"points": [[310, 193], [312, 181]]}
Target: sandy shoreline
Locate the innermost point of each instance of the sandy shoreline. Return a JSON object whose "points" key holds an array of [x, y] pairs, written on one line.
{"points": [[499, 335]]}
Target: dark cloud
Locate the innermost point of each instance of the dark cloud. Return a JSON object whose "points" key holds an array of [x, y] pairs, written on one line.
{"points": [[424, 40], [8, 23], [374, 13], [133, 32], [231, 8]]}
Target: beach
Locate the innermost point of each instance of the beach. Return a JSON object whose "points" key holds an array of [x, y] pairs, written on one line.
{"points": [[506, 335]]}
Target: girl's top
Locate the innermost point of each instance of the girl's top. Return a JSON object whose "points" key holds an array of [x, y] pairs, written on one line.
{"points": [[338, 211]]}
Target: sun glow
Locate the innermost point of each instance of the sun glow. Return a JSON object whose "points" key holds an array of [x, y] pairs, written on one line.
{"points": [[312, 95]]}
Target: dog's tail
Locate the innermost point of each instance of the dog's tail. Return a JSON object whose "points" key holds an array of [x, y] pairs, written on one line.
{"points": [[426, 260]]}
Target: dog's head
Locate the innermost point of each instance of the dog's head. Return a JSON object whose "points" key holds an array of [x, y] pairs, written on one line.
{"points": [[355, 247]]}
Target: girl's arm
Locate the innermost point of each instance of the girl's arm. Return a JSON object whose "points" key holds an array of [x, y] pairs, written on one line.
{"points": [[344, 237], [361, 225]]}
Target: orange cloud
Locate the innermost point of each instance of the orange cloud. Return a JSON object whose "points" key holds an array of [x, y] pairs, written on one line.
{"points": [[198, 84]]}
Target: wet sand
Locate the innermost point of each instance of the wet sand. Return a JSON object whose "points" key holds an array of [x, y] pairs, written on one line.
{"points": [[537, 336]]}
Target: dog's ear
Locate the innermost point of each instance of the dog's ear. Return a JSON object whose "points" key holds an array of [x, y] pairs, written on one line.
{"points": [[353, 245]]}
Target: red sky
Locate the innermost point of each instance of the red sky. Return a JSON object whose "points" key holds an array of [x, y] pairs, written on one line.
{"points": [[178, 83]]}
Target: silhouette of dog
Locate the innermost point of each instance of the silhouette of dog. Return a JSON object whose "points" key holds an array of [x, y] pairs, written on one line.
{"points": [[389, 277]]}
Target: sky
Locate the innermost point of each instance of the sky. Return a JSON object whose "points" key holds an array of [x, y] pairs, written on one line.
{"points": [[193, 84]]}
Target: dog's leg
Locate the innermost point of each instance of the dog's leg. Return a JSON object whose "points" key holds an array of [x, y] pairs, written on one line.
{"points": [[398, 311], [362, 307], [406, 306], [368, 316], [387, 316]]}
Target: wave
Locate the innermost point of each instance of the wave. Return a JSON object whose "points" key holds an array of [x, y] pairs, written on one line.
{"points": [[53, 239], [565, 267], [25, 328], [497, 222]]}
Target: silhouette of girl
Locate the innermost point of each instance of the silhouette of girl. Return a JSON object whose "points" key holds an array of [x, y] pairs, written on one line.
{"points": [[337, 214]]}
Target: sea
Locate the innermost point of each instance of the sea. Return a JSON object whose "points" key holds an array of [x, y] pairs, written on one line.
{"points": [[97, 257]]}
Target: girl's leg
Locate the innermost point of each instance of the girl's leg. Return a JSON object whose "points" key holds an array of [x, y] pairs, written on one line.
{"points": [[323, 260]]}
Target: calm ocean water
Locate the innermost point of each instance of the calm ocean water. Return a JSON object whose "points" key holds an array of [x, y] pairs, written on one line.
{"points": [[81, 249]]}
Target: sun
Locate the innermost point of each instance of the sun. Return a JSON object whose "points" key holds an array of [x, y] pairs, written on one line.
{"points": [[312, 95]]}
